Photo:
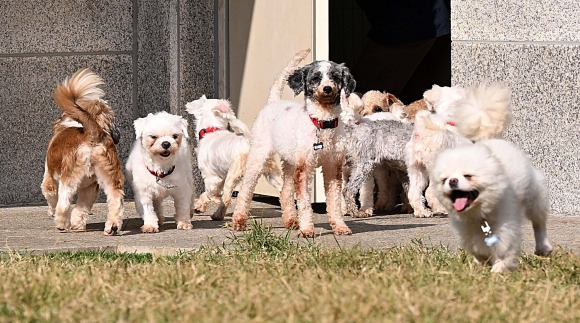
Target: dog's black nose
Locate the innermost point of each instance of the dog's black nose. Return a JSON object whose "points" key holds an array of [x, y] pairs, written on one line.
{"points": [[166, 144], [327, 89], [453, 183]]}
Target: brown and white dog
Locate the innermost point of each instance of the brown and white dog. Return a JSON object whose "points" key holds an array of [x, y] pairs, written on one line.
{"points": [[82, 157]]}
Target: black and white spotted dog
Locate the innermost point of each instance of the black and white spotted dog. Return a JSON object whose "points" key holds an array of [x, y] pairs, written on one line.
{"points": [[305, 136]]}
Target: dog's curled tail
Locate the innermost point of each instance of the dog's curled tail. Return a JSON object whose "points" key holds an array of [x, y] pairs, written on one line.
{"points": [[80, 97], [484, 112], [278, 87]]}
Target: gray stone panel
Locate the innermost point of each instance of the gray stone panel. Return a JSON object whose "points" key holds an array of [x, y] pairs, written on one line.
{"points": [[65, 26], [516, 20], [28, 112], [545, 81]]}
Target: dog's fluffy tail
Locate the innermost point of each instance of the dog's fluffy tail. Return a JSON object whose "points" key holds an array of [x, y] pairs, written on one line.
{"points": [[79, 97], [484, 112], [278, 87]]}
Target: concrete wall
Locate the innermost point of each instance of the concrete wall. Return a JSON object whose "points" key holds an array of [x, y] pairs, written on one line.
{"points": [[534, 47], [153, 55]]}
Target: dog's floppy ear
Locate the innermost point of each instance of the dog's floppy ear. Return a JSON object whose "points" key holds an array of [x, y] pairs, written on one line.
{"points": [[296, 80], [192, 106], [349, 84], [139, 125]]}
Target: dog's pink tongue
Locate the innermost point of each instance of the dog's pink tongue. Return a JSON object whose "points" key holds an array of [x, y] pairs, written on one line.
{"points": [[460, 203]]}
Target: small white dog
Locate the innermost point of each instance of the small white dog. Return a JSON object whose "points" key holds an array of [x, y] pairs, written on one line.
{"points": [[489, 186], [159, 165], [222, 154]]}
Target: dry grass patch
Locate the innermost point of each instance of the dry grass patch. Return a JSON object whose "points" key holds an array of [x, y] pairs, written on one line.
{"points": [[261, 277]]}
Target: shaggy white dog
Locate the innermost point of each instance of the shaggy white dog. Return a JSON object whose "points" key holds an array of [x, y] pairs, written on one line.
{"points": [[159, 165], [489, 186], [222, 154]]}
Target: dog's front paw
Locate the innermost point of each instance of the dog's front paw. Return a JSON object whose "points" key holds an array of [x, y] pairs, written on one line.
{"points": [[239, 221], [544, 250], [147, 228], [363, 213], [307, 232], [112, 228], [184, 225], [62, 223], [78, 221], [424, 214], [500, 267], [342, 230]]}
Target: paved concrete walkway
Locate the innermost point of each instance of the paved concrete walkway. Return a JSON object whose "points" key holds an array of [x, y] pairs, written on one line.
{"points": [[30, 230]]}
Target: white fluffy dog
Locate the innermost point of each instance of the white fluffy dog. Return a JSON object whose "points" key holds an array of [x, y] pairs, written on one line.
{"points": [[489, 186], [159, 165], [222, 154]]}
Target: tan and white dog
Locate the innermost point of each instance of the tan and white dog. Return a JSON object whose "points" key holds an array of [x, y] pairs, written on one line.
{"points": [[82, 157]]}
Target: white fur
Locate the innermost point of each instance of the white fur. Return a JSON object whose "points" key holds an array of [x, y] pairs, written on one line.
{"points": [[509, 188], [221, 155], [146, 154]]}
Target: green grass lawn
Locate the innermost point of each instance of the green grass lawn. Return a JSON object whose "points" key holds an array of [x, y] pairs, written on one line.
{"points": [[261, 277]]}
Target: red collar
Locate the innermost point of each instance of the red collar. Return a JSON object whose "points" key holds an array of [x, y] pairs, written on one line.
{"points": [[207, 130], [324, 124], [161, 174], [451, 123]]}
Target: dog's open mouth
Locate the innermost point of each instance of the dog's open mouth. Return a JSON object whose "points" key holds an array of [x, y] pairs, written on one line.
{"points": [[462, 199], [165, 153]]}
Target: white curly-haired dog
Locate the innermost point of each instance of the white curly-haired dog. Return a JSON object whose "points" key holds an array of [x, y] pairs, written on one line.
{"points": [[305, 136], [222, 154], [159, 165], [488, 187]]}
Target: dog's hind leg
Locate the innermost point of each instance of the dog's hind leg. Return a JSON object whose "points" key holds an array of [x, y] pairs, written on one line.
{"points": [[360, 173], [418, 181], [433, 202], [66, 193], [235, 173], [86, 197], [287, 198], [110, 178], [273, 173], [254, 166], [366, 196], [387, 185], [49, 189], [537, 209], [332, 173]]}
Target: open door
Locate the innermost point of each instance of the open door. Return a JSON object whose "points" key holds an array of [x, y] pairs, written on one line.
{"points": [[258, 39]]}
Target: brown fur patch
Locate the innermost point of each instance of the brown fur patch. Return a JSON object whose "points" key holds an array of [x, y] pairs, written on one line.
{"points": [[415, 107], [377, 101]]}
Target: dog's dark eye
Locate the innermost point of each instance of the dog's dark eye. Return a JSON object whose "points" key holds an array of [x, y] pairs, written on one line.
{"points": [[175, 136], [444, 180], [468, 176], [153, 137], [377, 109]]}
